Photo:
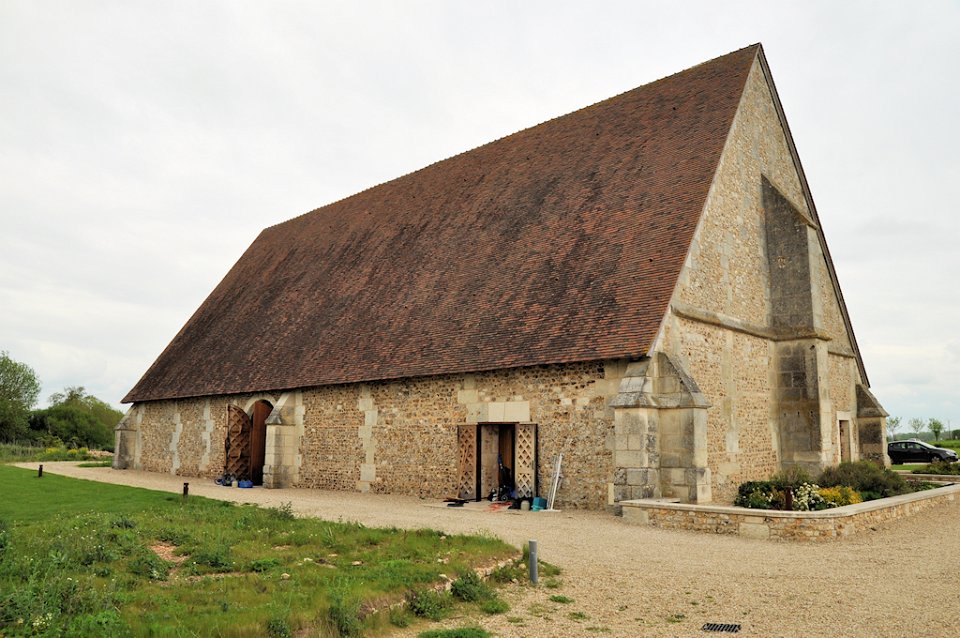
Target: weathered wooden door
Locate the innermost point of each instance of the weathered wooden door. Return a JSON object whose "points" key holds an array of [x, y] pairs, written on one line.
{"points": [[525, 459], [467, 444], [237, 450], [258, 440]]}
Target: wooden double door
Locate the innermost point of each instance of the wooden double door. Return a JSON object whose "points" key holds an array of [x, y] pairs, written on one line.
{"points": [[246, 442], [496, 454]]}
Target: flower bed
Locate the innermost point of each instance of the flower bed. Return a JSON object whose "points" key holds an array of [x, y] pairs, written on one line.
{"points": [[829, 524], [845, 484]]}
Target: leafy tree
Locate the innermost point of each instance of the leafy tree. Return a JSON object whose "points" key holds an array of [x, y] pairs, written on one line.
{"points": [[19, 389], [71, 425], [936, 426], [893, 424], [77, 419], [77, 397], [916, 424]]}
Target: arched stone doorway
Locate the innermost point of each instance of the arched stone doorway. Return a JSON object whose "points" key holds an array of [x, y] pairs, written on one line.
{"points": [[246, 441]]}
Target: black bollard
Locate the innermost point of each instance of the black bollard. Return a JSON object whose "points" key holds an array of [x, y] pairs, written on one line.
{"points": [[186, 491], [40, 471]]}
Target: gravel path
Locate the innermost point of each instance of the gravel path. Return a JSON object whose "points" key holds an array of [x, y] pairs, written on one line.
{"points": [[629, 580]]}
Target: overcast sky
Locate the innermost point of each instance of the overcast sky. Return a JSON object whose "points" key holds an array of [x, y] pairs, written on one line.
{"points": [[143, 146]]}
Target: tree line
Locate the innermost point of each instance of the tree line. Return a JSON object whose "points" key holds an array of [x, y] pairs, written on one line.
{"points": [[75, 418], [917, 425]]}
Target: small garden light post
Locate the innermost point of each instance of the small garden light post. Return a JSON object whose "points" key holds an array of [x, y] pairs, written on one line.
{"points": [[533, 561]]}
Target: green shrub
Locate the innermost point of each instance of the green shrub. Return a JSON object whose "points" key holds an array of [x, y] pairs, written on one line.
{"points": [[792, 477], [470, 588], [149, 565], [867, 478], [216, 556], [755, 495], [344, 614], [399, 617], [122, 522], [263, 564], [508, 573], [73, 425], [283, 512], [278, 627], [427, 603], [939, 467]]}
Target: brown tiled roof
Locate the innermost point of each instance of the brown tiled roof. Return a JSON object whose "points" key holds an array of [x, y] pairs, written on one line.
{"points": [[560, 243]]}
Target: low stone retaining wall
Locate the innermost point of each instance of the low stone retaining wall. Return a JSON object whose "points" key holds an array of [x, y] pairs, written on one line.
{"points": [[813, 526]]}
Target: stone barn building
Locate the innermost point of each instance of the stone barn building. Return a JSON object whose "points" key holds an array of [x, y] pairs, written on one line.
{"points": [[642, 285]]}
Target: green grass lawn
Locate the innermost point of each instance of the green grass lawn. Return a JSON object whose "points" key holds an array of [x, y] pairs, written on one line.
{"points": [[79, 558], [909, 467]]}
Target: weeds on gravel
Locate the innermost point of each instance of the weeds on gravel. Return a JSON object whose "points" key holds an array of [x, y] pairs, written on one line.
{"points": [[494, 606], [516, 572], [563, 600], [539, 610]]}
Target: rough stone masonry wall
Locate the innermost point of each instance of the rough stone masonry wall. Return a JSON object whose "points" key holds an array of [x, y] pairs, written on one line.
{"points": [[843, 374], [414, 424], [733, 371], [401, 436], [184, 437]]}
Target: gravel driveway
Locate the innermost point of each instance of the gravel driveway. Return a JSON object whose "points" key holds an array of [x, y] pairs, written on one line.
{"points": [[627, 580]]}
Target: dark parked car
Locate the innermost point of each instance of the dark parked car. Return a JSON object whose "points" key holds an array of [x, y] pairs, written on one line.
{"points": [[918, 452]]}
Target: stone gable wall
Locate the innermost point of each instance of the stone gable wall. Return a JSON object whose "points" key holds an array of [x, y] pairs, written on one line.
{"points": [[721, 323], [726, 270]]}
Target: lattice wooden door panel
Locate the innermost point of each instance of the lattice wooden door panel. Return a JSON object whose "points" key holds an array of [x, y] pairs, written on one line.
{"points": [[525, 459], [237, 450], [467, 442]]}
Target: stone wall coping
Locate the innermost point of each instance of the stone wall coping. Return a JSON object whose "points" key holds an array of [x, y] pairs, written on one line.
{"points": [[836, 512], [930, 478]]}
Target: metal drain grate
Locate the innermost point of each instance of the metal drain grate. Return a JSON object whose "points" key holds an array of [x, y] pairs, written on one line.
{"points": [[729, 628]]}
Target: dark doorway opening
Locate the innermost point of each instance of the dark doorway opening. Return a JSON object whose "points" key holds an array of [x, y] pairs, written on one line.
{"points": [[498, 459], [258, 440]]}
